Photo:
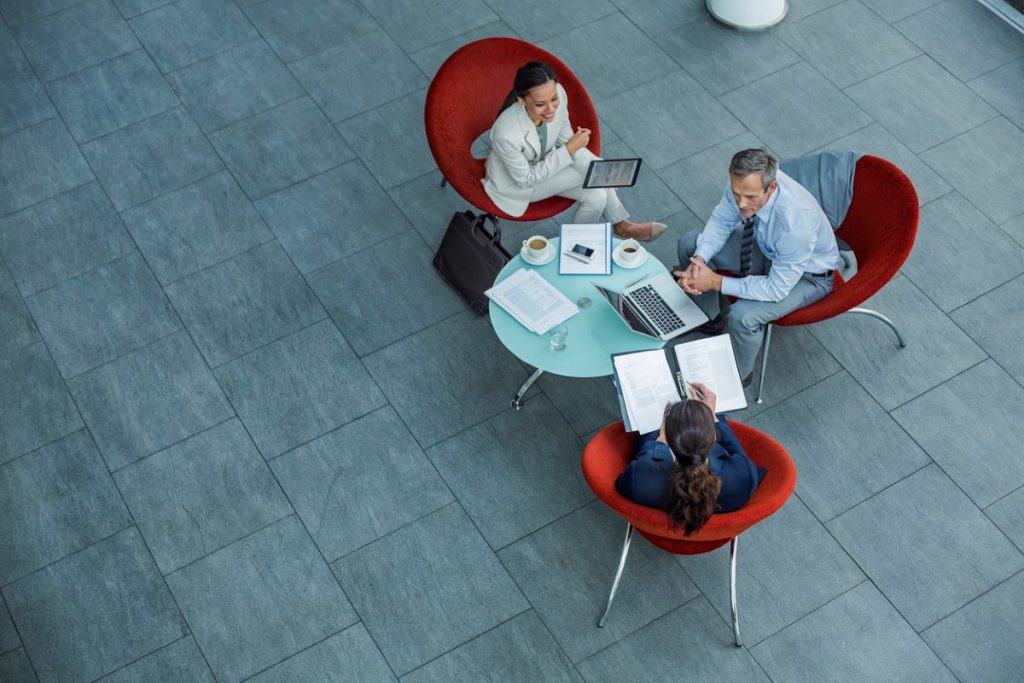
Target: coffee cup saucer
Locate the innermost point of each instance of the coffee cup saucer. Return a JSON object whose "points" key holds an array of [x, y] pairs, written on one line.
{"points": [[622, 263], [546, 256]]}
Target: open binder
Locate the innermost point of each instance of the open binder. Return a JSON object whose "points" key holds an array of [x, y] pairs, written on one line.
{"points": [[646, 380]]}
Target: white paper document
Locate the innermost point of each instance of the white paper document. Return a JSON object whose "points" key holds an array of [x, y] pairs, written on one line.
{"points": [[646, 380], [711, 362], [532, 300], [596, 236], [647, 384]]}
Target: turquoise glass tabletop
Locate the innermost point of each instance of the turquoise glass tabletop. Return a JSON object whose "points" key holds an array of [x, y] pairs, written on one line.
{"points": [[595, 332]]}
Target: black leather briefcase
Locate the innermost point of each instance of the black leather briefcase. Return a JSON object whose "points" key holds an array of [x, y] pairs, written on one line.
{"points": [[471, 256]]}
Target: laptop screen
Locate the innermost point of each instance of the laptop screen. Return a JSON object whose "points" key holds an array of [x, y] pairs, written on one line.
{"points": [[624, 307]]}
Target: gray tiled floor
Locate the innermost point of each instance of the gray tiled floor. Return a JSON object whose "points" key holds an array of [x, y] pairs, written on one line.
{"points": [[247, 433]]}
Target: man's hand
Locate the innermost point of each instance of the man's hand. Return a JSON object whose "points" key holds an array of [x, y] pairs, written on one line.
{"points": [[698, 277], [687, 278], [703, 278]]}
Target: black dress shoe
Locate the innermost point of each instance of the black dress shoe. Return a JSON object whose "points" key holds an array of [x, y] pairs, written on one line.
{"points": [[748, 380], [714, 326]]}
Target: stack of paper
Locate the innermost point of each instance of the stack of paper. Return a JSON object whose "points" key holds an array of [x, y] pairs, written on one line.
{"points": [[596, 236], [532, 300]]}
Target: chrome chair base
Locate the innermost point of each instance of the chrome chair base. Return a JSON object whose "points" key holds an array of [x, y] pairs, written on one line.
{"points": [[733, 602], [768, 339], [618, 575], [517, 401]]}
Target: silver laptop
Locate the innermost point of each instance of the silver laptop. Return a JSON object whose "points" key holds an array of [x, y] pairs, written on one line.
{"points": [[655, 306]]}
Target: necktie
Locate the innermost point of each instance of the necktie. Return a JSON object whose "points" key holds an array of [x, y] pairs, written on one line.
{"points": [[747, 245]]}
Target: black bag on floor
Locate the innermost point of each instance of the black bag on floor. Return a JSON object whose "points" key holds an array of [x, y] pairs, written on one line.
{"points": [[470, 257]]}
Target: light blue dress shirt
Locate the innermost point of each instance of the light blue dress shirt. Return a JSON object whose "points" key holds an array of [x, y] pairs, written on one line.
{"points": [[792, 231]]}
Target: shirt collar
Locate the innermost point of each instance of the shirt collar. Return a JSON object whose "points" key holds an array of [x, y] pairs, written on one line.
{"points": [[766, 212]]}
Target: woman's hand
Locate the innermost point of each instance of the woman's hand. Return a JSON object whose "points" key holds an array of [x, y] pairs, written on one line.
{"points": [[579, 140], [661, 433], [703, 393]]}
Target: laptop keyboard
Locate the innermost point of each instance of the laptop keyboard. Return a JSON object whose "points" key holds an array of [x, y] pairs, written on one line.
{"points": [[651, 303]]}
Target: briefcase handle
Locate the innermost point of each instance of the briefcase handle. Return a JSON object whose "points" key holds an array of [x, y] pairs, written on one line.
{"points": [[479, 225]]}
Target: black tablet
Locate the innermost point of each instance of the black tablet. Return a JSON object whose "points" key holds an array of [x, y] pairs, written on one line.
{"points": [[612, 173]]}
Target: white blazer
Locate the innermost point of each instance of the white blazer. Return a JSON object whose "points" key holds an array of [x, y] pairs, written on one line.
{"points": [[514, 166]]}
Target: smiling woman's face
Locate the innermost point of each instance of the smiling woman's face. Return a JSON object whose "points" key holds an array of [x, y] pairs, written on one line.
{"points": [[541, 102]]}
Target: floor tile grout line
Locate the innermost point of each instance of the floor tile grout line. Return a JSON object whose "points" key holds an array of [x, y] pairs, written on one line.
{"points": [[841, 366], [206, 556], [623, 637], [163, 449], [893, 67], [925, 51], [1016, 572], [7, 586], [307, 648], [540, 616], [864, 579], [316, 547], [970, 501], [135, 525], [163, 73], [21, 640], [341, 42], [365, 247], [468, 641], [147, 654], [1001, 499]]}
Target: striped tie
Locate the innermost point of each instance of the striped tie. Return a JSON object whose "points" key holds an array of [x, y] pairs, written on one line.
{"points": [[747, 245]]}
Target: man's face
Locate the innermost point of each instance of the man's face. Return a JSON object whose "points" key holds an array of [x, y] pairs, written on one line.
{"points": [[750, 194]]}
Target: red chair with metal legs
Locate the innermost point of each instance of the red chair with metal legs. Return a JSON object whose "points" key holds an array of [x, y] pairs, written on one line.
{"points": [[462, 103], [607, 455], [880, 226]]}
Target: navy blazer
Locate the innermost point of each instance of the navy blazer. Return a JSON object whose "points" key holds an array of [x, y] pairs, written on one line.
{"points": [[646, 476]]}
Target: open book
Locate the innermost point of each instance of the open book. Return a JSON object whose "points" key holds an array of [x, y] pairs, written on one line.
{"points": [[647, 380]]}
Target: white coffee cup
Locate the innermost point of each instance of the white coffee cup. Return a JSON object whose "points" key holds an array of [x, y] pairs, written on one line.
{"points": [[630, 251], [536, 246]]}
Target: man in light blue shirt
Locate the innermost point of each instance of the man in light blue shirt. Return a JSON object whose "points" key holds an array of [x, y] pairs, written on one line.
{"points": [[783, 260]]}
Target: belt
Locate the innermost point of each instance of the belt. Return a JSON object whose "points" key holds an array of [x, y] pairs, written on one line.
{"points": [[826, 274]]}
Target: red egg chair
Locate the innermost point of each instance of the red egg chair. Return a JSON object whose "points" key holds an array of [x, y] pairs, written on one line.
{"points": [[462, 103], [608, 453]]}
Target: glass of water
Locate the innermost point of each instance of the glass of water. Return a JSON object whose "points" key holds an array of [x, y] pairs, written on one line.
{"points": [[559, 335]]}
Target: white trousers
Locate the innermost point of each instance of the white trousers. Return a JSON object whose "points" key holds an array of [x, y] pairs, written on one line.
{"points": [[592, 204]]}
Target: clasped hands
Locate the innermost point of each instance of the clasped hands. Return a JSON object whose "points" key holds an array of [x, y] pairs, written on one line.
{"points": [[698, 277]]}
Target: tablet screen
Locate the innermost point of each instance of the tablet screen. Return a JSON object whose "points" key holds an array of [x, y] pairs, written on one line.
{"points": [[612, 173]]}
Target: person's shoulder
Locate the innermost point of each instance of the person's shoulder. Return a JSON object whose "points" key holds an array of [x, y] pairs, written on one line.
{"points": [[507, 123]]}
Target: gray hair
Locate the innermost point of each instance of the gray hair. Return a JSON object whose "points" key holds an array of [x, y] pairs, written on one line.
{"points": [[755, 160]]}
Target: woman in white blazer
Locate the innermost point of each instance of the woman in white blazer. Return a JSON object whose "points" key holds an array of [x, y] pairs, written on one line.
{"points": [[535, 155]]}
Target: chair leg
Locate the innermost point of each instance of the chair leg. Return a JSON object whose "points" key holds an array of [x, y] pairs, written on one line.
{"points": [[732, 593], [444, 181], [879, 316], [618, 574], [764, 363], [517, 400]]}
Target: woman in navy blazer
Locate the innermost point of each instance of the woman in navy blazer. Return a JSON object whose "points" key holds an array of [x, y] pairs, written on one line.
{"points": [[693, 467]]}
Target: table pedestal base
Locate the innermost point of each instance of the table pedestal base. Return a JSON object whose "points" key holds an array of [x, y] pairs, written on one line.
{"points": [[517, 400]]}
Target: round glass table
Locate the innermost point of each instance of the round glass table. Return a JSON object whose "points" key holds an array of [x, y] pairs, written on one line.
{"points": [[594, 333]]}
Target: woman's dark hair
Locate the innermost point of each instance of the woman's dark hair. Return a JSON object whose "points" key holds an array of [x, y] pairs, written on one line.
{"points": [[528, 77], [692, 489]]}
